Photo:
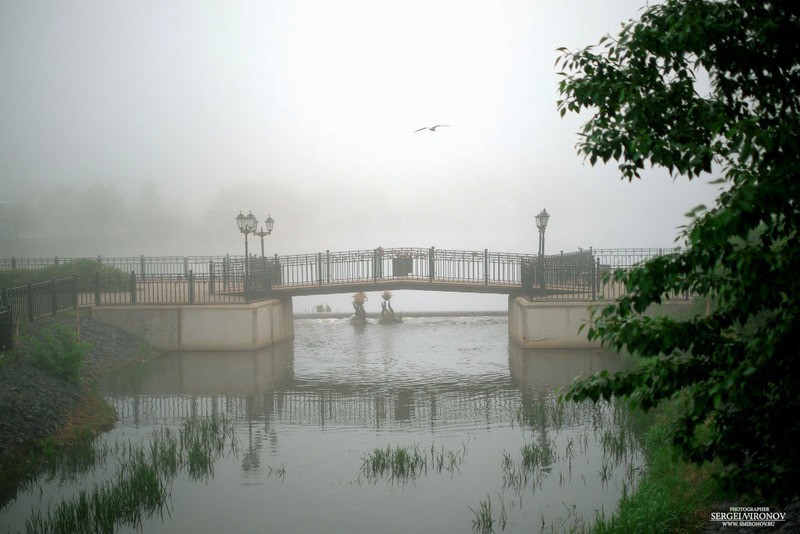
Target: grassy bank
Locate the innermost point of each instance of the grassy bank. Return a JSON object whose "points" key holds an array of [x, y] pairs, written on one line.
{"points": [[52, 345], [87, 420], [672, 495]]}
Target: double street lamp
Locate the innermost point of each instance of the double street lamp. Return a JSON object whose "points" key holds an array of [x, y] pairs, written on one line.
{"points": [[249, 225]]}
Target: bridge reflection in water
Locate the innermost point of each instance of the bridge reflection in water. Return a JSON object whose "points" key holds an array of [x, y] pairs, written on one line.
{"points": [[261, 386], [316, 407]]}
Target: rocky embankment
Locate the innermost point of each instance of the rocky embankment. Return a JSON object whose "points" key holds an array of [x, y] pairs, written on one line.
{"points": [[34, 404]]}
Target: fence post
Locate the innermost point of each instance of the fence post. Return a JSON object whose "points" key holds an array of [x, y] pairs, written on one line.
{"points": [[141, 266], [99, 260], [525, 276], [225, 263], [29, 298], [53, 299], [56, 261], [486, 266], [267, 274], [97, 288], [133, 287], [595, 278], [75, 293], [319, 268], [13, 262], [211, 277], [328, 264], [185, 265], [191, 287]]}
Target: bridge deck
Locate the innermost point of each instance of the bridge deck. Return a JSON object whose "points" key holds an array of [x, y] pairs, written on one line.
{"points": [[392, 284]]}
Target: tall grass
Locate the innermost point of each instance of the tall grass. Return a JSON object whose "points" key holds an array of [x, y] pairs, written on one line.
{"points": [[409, 462], [140, 488], [670, 497], [484, 519]]}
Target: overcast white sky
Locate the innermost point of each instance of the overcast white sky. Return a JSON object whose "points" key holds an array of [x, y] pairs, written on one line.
{"points": [[306, 109]]}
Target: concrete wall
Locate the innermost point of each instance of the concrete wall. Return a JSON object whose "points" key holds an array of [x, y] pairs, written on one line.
{"points": [[201, 328], [554, 325]]}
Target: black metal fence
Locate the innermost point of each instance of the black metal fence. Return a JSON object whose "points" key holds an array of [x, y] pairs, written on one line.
{"points": [[586, 274], [571, 276], [234, 279], [426, 264], [228, 281], [141, 265], [42, 298]]}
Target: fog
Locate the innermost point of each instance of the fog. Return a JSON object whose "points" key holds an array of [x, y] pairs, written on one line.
{"points": [[145, 127]]}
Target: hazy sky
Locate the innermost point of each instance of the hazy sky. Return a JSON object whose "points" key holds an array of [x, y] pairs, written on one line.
{"points": [[306, 110]]}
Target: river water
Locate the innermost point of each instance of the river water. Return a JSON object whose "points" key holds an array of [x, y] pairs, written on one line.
{"points": [[308, 413]]}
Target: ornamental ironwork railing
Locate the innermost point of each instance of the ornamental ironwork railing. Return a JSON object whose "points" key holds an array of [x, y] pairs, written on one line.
{"points": [[229, 279]]}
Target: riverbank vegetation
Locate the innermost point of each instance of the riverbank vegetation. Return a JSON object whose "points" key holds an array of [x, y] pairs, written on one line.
{"points": [[139, 489], [58, 351], [61, 415], [672, 495], [404, 463], [81, 268]]}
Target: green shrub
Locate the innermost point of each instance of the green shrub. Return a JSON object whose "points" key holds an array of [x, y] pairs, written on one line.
{"points": [[58, 351], [82, 269]]}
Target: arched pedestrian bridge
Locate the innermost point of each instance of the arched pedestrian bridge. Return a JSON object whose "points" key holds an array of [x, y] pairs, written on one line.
{"points": [[201, 280], [238, 303], [426, 269]]}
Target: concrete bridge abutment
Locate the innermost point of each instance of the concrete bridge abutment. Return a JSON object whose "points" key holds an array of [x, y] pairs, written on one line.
{"points": [[205, 328], [555, 325], [548, 325]]}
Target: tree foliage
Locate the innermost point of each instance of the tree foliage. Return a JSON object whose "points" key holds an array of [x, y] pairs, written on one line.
{"points": [[708, 88]]}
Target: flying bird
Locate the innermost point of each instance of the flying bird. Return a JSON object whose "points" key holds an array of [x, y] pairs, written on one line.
{"points": [[432, 128]]}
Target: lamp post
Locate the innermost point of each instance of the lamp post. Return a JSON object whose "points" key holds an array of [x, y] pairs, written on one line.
{"points": [[265, 230], [247, 225], [541, 224]]}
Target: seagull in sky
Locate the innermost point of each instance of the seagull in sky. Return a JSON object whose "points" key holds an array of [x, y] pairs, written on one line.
{"points": [[432, 128]]}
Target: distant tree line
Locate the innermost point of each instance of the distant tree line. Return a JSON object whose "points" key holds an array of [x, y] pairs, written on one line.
{"points": [[65, 214]]}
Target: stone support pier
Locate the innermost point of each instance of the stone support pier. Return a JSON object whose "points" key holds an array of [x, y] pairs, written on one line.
{"points": [[548, 325], [554, 325], [205, 328]]}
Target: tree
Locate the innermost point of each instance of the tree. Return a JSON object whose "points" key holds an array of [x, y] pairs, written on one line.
{"points": [[732, 369]]}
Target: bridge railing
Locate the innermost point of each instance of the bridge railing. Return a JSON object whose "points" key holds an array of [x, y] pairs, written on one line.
{"points": [[586, 274], [426, 264], [141, 265], [33, 300], [42, 298], [233, 279], [610, 260], [570, 276]]}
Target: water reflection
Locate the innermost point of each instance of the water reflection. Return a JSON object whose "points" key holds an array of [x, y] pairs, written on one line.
{"points": [[263, 385], [206, 373], [310, 412], [553, 368]]}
